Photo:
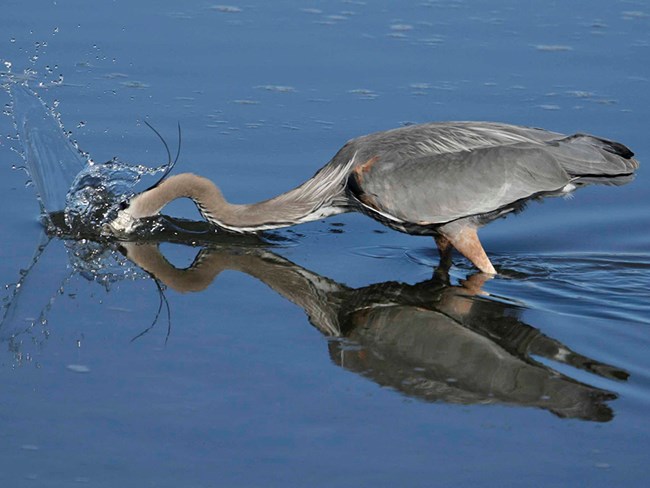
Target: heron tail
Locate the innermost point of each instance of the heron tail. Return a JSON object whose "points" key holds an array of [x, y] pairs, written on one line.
{"points": [[587, 155]]}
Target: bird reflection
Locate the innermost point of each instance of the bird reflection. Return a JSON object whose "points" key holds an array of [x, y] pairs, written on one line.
{"points": [[433, 340]]}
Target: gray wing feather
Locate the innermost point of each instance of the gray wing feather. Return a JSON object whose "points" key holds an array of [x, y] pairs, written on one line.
{"points": [[445, 138], [585, 155], [446, 187]]}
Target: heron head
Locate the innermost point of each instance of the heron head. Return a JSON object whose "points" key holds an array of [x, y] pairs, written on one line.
{"points": [[124, 223]]}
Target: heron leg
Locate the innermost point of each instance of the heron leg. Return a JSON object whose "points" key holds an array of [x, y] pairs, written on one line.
{"points": [[465, 240], [444, 250]]}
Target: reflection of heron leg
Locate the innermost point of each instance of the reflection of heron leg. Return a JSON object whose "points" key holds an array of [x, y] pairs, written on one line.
{"points": [[444, 249], [474, 283], [464, 238], [441, 273]]}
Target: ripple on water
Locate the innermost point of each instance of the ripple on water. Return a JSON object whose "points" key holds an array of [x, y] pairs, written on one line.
{"points": [[364, 93], [226, 9], [634, 15], [277, 88], [138, 85], [78, 368], [553, 47], [586, 285], [381, 252]]}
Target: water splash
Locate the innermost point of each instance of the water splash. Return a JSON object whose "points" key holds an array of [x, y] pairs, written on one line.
{"points": [[101, 263], [65, 177], [97, 192], [26, 304], [51, 158]]}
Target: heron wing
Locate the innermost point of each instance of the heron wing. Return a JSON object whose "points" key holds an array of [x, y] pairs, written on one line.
{"points": [[444, 138], [440, 188]]}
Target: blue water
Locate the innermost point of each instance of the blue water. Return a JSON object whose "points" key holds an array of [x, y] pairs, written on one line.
{"points": [[326, 355]]}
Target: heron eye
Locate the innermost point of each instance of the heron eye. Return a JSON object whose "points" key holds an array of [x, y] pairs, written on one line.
{"points": [[124, 205]]}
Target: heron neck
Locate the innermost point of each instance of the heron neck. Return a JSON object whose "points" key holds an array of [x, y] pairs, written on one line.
{"points": [[286, 209]]}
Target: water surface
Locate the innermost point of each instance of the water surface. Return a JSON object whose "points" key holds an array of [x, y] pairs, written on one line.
{"points": [[332, 354]]}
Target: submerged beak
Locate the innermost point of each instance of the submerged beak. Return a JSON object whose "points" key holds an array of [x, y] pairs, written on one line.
{"points": [[123, 224]]}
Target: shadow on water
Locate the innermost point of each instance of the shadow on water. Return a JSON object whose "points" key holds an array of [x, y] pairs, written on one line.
{"points": [[433, 341]]}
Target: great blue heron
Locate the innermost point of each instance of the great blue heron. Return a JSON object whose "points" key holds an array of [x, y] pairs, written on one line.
{"points": [[439, 179]]}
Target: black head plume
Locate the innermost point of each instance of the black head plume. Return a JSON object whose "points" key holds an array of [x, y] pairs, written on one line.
{"points": [[170, 163]]}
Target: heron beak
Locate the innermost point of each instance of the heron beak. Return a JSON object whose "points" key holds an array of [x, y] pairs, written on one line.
{"points": [[122, 225]]}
